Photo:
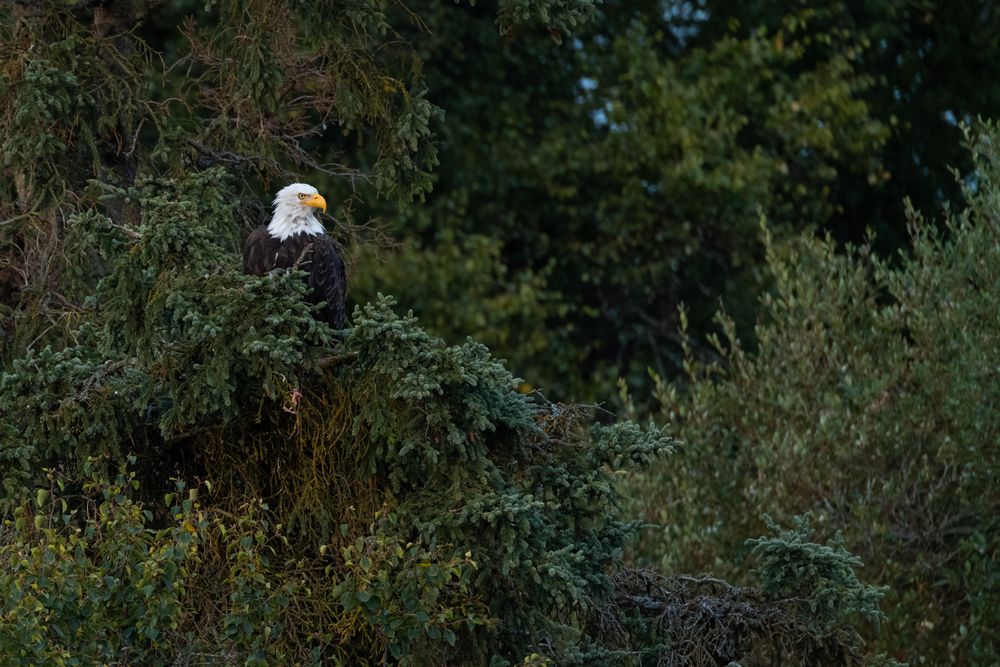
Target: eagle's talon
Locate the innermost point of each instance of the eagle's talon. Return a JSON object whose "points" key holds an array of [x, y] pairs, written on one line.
{"points": [[292, 402]]}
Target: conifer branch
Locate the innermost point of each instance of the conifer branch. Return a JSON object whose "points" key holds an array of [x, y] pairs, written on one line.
{"points": [[336, 360]]}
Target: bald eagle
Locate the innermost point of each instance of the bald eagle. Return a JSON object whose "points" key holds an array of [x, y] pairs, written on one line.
{"points": [[296, 238]]}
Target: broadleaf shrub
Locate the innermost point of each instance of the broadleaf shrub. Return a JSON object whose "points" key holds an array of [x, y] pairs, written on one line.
{"points": [[868, 399]]}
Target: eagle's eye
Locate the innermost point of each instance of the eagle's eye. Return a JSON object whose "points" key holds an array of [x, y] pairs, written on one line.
{"points": [[302, 195]]}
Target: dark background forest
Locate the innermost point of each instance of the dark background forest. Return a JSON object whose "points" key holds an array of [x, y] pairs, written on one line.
{"points": [[674, 333]]}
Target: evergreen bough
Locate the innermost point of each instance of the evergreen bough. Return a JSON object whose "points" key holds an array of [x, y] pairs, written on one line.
{"points": [[403, 452]]}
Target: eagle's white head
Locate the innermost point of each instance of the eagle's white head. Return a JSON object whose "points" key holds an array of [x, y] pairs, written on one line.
{"points": [[295, 211]]}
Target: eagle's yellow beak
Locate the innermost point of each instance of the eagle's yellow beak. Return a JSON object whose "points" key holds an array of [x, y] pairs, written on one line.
{"points": [[316, 201]]}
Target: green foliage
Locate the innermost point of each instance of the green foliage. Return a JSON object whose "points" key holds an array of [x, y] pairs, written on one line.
{"points": [[87, 579], [88, 583], [430, 405], [456, 518], [377, 495], [623, 170], [821, 577], [174, 278], [122, 92], [60, 103], [98, 577], [175, 330], [408, 594], [557, 15], [865, 401], [482, 296], [805, 613], [622, 176], [63, 402], [929, 63]]}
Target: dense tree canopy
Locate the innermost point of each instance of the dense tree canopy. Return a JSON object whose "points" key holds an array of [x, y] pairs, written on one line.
{"points": [[617, 172], [194, 469], [869, 401]]}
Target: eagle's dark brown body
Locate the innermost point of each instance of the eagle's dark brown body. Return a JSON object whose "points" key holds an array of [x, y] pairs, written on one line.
{"points": [[316, 254]]}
